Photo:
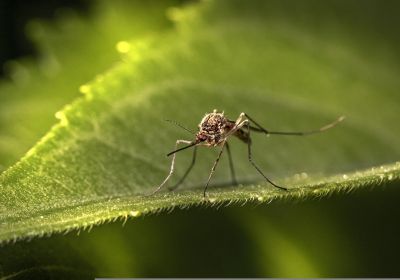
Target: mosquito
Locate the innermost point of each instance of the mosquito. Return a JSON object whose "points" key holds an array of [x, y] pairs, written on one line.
{"points": [[214, 130]]}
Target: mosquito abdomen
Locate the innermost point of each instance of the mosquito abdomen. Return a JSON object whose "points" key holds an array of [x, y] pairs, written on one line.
{"points": [[242, 135]]}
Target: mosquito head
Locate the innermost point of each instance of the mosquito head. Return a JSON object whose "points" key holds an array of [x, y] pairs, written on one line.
{"points": [[212, 128]]}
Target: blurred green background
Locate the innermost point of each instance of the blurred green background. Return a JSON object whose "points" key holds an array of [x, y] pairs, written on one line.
{"points": [[351, 235]]}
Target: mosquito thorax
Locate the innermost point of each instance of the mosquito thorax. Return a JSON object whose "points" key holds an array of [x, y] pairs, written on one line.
{"points": [[212, 128]]}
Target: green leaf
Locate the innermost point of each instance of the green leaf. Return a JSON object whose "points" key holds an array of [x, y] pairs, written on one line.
{"points": [[108, 151], [327, 236], [72, 50]]}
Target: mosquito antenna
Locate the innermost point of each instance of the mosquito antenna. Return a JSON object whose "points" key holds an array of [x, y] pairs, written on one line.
{"points": [[322, 129], [183, 148], [181, 126]]}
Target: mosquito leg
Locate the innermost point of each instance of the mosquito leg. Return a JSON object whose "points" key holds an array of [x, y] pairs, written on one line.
{"points": [[259, 128], [234, 182], [256, 167], [172, 166], [213, 169], [187, 171]]}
